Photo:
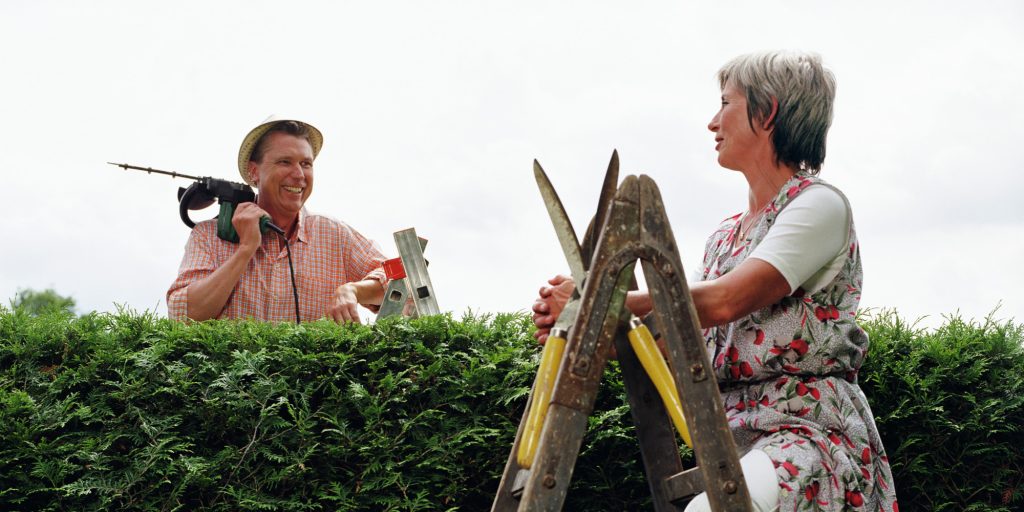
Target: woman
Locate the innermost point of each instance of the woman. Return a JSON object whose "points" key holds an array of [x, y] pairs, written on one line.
{"points": [[778, 298]]}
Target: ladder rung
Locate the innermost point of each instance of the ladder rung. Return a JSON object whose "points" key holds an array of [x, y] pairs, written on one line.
{"points": [[685, 485]]}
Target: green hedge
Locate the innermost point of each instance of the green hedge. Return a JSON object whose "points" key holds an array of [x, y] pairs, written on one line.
{"points": [[132, 412], [950, 406]]}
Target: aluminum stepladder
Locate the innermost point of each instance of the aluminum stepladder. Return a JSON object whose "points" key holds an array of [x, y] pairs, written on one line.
{"points": [[631, 225], [408, 279]]}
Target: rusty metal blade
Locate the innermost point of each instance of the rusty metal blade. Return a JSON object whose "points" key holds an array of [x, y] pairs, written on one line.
{"points": [[563, 227], [608, 189]]}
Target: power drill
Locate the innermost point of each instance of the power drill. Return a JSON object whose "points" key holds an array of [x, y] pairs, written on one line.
{"points": [[204, 192]]}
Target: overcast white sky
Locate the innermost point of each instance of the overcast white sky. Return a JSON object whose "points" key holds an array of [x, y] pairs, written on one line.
{"points": [[432, 113]]}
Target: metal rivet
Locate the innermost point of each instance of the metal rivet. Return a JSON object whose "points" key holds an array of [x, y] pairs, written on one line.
{"points": [[582, 366], [730, 487], [668, 270], [549, 481], [697, 371]]}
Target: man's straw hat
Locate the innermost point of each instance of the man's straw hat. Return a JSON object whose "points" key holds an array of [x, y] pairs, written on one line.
{"points": [[316, 140]]}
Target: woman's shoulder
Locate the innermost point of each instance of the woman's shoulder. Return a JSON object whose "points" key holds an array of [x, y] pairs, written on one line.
{"points": [[820, 204], [804, 189], [823, 194]]}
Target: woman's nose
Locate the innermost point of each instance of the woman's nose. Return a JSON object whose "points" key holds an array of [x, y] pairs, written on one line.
{"points": [[713, 125]]}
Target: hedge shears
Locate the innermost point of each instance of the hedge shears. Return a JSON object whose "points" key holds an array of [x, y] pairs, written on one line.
{"points": [[640, 337]]}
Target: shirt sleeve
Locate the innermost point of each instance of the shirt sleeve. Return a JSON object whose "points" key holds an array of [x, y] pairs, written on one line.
{"points": [[196, 264], [376, 260], [365, 260], [807, 243]]}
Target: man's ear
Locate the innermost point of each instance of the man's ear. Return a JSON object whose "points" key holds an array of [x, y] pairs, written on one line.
{"points": [[769, 120], [253, 174]]}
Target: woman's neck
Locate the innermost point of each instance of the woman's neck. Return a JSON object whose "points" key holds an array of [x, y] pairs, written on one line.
{"points": [[765, 181]]}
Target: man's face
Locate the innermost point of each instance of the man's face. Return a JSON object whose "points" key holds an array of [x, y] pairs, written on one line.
{"points": [[284, 176]]}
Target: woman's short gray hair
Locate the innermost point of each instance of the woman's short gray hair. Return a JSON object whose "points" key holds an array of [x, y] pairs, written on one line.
{"points": [[804, 90]]}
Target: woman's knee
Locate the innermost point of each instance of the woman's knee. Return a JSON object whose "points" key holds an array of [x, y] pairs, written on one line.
{"points": [[762, 482]]}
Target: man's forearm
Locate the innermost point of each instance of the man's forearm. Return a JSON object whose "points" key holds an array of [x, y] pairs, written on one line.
{"points": [[207, 296], [367, 291]]}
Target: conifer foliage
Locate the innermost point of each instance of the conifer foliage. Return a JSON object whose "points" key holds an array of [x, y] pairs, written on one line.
{"points": [[132, 412], [129, 411], [950, 407]]}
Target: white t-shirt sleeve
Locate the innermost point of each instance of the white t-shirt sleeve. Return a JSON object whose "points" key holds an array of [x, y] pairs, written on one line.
{"points": [[807, 243]]}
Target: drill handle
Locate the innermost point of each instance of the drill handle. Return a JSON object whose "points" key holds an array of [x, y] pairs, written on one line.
{"points": [[226, 230], [195, 197]]}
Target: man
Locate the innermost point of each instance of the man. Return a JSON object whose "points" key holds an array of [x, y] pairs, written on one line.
{"points": [[336, 268]]}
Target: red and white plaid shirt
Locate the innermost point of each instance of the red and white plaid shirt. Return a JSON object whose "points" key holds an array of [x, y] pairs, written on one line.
{"points": [[326, 253]]}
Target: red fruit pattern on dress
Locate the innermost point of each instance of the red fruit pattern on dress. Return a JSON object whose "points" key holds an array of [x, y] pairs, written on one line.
{"points": [[854, 498], [811, 491], [745, 369]]}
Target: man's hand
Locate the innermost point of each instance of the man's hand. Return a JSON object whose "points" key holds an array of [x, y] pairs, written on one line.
{"points": [[345, 307], [207, 296], [246, 221], [550, 304]]}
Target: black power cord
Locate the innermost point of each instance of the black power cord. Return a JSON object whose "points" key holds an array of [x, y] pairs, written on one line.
{"points": [[291, 268], [295, 289]]}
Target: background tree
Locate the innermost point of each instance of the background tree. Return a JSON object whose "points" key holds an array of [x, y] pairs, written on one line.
{"points": [[38, 302]]}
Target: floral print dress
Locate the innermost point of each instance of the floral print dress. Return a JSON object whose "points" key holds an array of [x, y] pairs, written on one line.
{"points": [[788, 376]]}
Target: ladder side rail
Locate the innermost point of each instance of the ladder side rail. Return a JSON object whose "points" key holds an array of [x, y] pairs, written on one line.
{"points": [[394, 299], [410, 249], [659, 450], [587, 350], [575, 391], [615, 249], [715, 449]]}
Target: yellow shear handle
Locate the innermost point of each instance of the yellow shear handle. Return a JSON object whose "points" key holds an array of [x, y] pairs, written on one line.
{"points": [[654, 364], [550, 360]]}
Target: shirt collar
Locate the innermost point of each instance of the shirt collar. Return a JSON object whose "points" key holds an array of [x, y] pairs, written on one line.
{"points": [[300, 230]]}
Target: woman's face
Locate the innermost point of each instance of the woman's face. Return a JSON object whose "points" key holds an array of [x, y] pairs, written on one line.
{"points": [[735, 142]]}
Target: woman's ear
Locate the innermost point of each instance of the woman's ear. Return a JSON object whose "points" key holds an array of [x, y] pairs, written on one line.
{"points": [[769, 120]]}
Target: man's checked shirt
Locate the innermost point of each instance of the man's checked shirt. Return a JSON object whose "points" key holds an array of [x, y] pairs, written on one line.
{"points": [[326, 254]]}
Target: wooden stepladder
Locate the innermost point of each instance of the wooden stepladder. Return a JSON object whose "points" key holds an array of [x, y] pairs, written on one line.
{"points": [[630, 225]]}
